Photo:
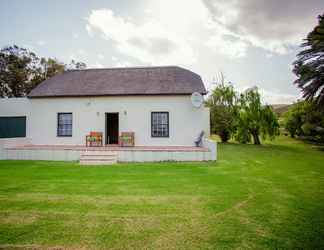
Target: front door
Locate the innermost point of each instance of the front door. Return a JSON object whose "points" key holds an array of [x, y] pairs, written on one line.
{"points": [[112, 128]]}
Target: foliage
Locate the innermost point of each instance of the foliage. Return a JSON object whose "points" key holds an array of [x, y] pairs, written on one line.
{"points": [[309, 66], [18, 71], [223, 110], [305, 119], [255, 119], [21, 70]]}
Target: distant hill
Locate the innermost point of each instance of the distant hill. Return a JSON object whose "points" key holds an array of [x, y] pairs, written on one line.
{"points": [[280, 109]]}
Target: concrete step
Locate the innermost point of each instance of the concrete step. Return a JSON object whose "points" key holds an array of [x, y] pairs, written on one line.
{"points": [[91, 152], [98, 158], [97, 162]]}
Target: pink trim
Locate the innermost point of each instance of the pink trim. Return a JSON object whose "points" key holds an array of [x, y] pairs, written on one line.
{"points": [[111, 148]]}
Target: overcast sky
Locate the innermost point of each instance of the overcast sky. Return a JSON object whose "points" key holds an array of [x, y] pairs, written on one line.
{"points": [[253, 42]]}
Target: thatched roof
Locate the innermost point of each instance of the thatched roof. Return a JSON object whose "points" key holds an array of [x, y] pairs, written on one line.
{"points": [[168, 80]]}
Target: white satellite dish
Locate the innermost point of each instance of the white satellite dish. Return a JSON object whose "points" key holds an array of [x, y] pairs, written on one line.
{"points": [[196, 99]]}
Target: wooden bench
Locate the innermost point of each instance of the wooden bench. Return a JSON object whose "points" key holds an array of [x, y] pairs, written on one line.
{"points": [[94, 139]]}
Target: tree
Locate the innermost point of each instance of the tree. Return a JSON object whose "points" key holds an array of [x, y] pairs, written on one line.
{"points": [[309, 66], [255, 119], [76, 65], [21, 70], [18, 68], [50, 67], [305, 119], [223, 109]]}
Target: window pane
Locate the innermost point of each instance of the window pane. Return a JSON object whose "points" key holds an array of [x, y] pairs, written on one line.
{"points": [[64, 124], [160, 124]]}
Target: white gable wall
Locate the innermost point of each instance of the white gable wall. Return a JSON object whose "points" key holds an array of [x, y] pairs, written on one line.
{"points": [[185, 121], [20, 106]]}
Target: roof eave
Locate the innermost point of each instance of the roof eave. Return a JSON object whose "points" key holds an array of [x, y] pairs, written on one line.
{"points": [[96, 95]]}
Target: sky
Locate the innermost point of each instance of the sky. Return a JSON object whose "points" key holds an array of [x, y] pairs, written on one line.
{"points": [[252, 42]]}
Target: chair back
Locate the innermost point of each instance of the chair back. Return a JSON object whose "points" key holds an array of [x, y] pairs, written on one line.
{"points": [[95, 134]]}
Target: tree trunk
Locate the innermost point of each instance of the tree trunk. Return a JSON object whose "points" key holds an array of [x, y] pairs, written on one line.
{"points": [[256, 138]]}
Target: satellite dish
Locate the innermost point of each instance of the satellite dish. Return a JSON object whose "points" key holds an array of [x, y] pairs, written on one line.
{"points": [[197, 99]]}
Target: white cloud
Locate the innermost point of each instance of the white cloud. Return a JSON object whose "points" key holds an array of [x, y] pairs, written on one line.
{"points": [[227, 45], [274, 25], [270, 97], [165, 35], [150, 42], [89, 30]]}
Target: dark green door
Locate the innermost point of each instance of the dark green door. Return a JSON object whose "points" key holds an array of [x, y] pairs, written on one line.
{"points": [[14, 126]]}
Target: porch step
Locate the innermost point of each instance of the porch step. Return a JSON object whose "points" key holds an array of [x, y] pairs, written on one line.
{"points": [[98, 158]]}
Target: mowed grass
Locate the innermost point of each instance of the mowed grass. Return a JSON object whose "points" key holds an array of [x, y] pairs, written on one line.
{"points": [[253, 197]]}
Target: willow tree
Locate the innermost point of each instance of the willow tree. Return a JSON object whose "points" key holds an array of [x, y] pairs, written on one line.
{"points": [[255, 119], [223, 109]]}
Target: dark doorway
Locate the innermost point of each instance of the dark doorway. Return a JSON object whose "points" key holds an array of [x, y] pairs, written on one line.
{"points": [[112, 128]]}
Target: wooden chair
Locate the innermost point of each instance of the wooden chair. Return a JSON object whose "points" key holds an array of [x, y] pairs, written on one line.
{"points": [[94, 139], [127, 139]]}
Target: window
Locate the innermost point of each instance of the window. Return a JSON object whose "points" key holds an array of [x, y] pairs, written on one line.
{"points": [[160, 124], [13, 126], [64, 124]]}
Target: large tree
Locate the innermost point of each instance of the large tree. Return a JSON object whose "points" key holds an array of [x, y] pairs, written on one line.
{"points": [[18, 70], [223, 109], [255, 119], [304, 119], [21, 70], [309, 66]]}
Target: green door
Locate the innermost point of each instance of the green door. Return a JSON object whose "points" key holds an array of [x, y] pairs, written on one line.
{"points": [[14, 126]]}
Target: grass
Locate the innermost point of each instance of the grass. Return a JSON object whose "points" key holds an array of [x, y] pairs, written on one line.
{"points": [[253, 197]]}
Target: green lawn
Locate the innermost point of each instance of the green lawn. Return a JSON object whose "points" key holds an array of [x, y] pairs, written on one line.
{"points": [[257, 197]]}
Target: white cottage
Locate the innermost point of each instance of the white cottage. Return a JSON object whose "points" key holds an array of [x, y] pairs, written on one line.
{"points": [[153, 103]]}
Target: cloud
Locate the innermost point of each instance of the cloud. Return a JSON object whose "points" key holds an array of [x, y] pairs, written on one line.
{"points": [[165, 35], [150, 42], [275, 25], [89, 30], [270, 97], [75, 35], [228, 45]]}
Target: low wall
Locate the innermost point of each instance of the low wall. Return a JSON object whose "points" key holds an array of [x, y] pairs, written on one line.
{"points": [[156, 156], [8, 151], [212, 146], [122, 156], [11, 142]]}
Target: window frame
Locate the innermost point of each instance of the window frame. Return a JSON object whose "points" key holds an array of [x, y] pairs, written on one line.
{"points": [[58, 124], [168, 124]]}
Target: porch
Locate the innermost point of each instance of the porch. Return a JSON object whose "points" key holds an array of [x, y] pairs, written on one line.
{"points": [[123, 154]]}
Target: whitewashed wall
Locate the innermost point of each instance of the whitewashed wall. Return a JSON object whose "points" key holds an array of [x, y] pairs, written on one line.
{"points": [[185, 121], [16, 107]]}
